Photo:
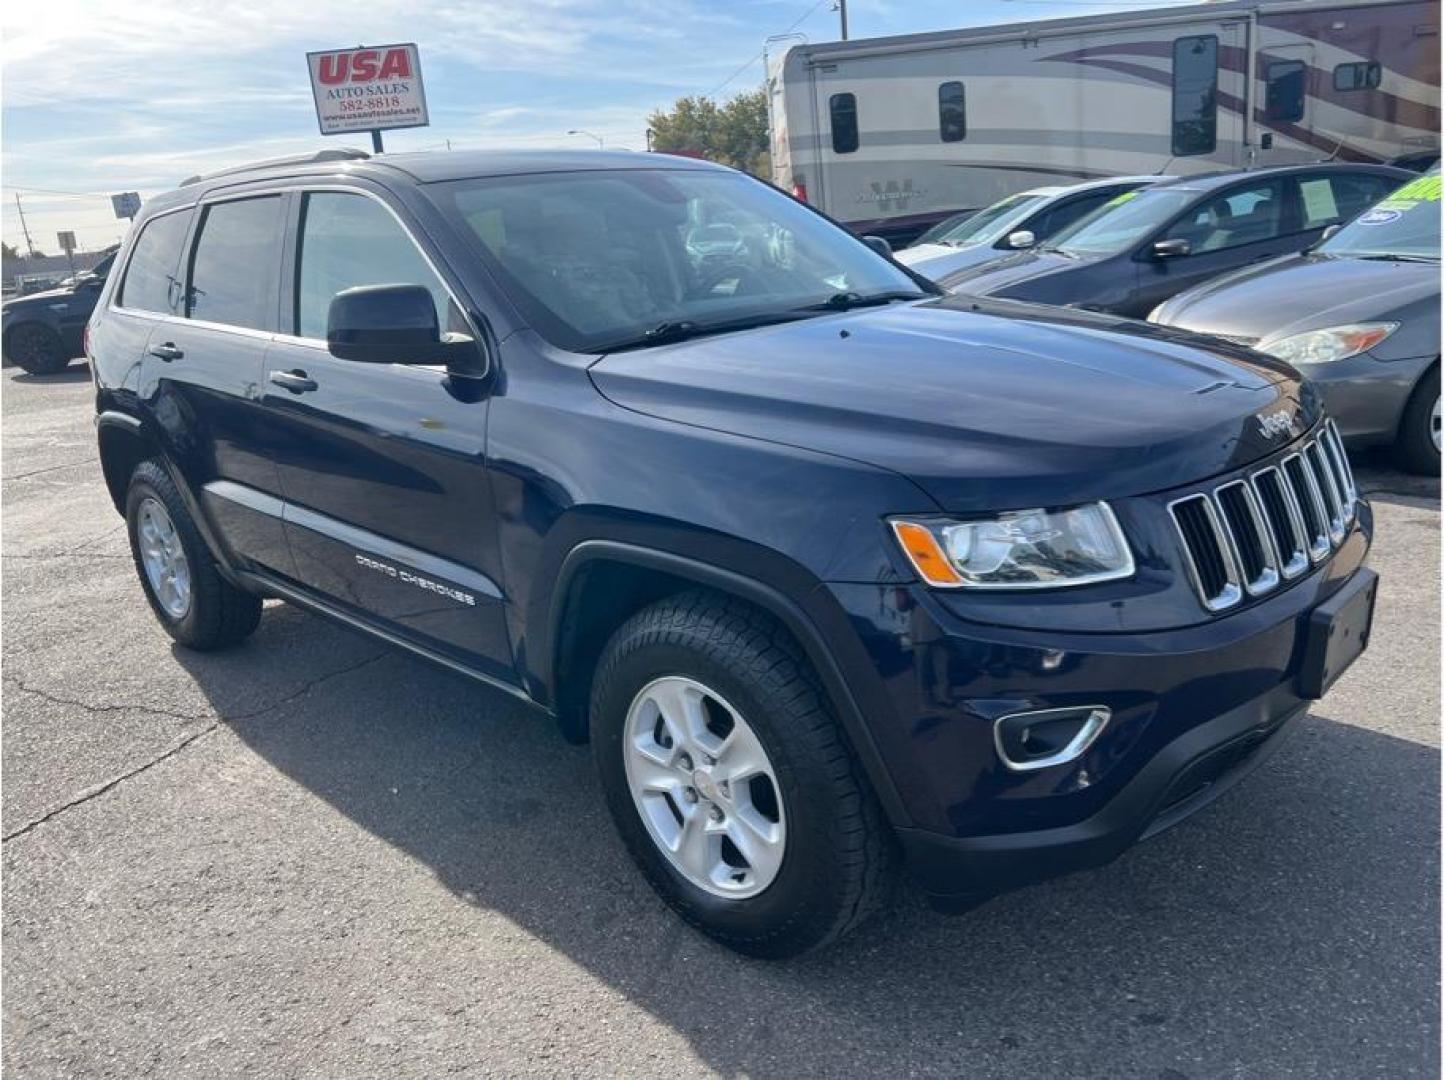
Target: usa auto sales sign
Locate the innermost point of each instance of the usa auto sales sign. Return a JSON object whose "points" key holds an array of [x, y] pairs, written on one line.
{"points": [[368, 89]]}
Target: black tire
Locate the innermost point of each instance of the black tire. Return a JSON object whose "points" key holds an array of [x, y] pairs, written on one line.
{"points": [[1415, 450], [839, 854], [218, 614], [35, 349]]}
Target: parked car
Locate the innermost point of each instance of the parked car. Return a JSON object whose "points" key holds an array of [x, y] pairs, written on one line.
{"points": [[1145, 246], [828, 568], [41, 332], [1358, 313], [1013, 224]]}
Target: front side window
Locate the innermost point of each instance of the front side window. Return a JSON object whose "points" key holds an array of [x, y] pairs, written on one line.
{"points": [[843, 109], [1195, 95], [233, 269], [1284, 92], [952, 113], [1242, 216], [151, 279], [352, 240], [1065, 214], [1358, 76], [596, 260]]}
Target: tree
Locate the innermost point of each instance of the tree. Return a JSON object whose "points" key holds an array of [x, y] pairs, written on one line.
{"points": [[733, 134], [7, 252]]}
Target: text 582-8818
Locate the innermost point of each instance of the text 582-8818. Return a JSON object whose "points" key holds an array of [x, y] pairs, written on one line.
{"points": [[368, 104]]}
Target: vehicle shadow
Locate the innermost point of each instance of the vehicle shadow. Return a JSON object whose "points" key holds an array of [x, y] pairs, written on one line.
{"points": [[1271, 933], [78, 371]]}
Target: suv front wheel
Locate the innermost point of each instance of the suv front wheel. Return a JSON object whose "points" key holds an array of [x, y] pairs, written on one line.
{"points": [[729, 781], [197, 607]]}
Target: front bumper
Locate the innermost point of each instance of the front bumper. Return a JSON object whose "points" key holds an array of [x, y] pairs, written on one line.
{"points": [[1366, 396], [1193, 710]]}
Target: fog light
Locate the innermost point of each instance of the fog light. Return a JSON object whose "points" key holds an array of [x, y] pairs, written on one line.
{"points": [[1046, 737]]}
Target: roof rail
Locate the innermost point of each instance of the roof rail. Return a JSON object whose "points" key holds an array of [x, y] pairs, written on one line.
{"points": [[343, 154]]}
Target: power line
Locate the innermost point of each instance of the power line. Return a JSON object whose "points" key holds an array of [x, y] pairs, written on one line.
{"points": [[796, 23]]}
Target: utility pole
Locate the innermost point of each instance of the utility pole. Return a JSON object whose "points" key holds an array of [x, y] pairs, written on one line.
{"points": [[29, 244], [841, 8]]}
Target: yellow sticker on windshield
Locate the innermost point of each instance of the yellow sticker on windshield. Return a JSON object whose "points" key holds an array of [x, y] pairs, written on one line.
{"points": [[1424, 189], [1120, 199]]}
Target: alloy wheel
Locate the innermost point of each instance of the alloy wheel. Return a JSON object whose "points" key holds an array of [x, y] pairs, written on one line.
{"points": [[164, 558], [705, 787]]}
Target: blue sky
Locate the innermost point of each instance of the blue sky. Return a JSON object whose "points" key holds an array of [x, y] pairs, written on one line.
{"points": [[101, 96]]}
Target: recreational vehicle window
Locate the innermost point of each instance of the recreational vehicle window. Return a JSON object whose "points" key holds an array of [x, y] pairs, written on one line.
{"points": [[1284, 95], [843, 108], [1358, 76], [1195, 95], [952, 112]]}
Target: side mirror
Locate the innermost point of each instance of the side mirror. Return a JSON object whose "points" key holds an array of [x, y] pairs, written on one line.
{"points": [[1023, 238], [384, 324], [878, 244], [1171, 249], [1332, 230]]}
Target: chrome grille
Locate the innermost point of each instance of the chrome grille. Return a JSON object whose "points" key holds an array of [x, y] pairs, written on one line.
{"points": [[1247, 536]]}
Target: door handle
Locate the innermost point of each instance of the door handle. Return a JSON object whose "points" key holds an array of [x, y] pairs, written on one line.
{"points": [[166, 352], [295, 381]]}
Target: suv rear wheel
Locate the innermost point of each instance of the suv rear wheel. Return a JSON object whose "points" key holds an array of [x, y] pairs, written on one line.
{"points": [[197, 607], [729, 781], [36, 349]]}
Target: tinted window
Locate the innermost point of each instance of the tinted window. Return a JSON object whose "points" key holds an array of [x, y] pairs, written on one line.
{"points": [[1329, 199], [595, 259], [233, 270], [1241, 216], [844, 123], [351, 240], [1121, 222], [1358, 76], [1195, 95], [150, 282], [952, 115], [1284, 95], [1065, 214]]}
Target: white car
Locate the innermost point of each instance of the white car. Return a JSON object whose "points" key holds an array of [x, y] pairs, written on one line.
{"points": [[1019, 221]]}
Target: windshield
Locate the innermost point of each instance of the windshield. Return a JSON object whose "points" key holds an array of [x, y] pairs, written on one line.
{"points": [[991, 222], [1404, 225], [611, 259], [1121, 222]]}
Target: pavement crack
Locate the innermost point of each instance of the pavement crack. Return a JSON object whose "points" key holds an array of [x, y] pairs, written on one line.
{"points": [[306, 688], [100, 789], [87, 707], [46, 469]]}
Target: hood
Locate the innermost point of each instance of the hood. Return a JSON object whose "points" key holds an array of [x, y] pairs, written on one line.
{"points": [[985, 405], [50, 295], [1298, 293], [1004, 276], [936, 261]]}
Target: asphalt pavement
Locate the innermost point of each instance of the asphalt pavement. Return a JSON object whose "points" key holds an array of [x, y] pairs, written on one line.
{"points": [[313, 856]]}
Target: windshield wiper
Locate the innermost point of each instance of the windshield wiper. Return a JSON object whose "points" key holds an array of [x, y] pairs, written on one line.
{"points": [[846, 301], [1391, 257], [664, 333]]}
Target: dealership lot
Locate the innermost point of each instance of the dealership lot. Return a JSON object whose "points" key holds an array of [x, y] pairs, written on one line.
{"points": [[316, 856]]}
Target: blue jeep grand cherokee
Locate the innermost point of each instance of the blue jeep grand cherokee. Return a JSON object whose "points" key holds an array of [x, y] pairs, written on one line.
{"points": [[831, 571]]}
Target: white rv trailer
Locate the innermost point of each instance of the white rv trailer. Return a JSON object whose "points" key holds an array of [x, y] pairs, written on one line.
{"points": [[888, 135]]}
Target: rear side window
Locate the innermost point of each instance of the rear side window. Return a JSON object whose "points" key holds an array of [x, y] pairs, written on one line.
{"points": [[1326, 200], [351, 240], [1195, 95], [1358, 76], [843, 108], [1284, 93], [952, 112], [233, 269], [150, 282]]}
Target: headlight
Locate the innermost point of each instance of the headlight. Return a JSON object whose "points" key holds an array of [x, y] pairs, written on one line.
{"points": [[1333, 343], [1028, 549]]}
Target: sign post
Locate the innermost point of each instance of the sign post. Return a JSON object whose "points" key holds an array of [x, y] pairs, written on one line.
{"points": [[371, 89], [126, 204], [67, 244]]}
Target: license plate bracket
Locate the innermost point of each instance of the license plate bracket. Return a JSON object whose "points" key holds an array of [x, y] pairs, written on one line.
{"points": [[1337, 632]]}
